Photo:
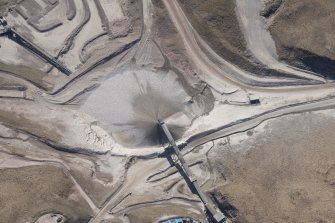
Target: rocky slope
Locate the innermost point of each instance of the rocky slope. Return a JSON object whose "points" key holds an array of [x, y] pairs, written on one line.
{"points": [[302, 30], [217, 23]]}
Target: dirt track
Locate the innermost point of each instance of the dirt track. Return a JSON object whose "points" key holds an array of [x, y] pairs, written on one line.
{"points": [[113, 179], [202, 61], [259, 40], [275, 175]]}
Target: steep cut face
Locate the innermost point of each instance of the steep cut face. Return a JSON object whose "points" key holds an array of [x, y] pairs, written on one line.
{"points": [[130, 104]]}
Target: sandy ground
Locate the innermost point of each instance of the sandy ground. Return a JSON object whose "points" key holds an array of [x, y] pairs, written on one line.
{"points": [[259, 40], [217, 23], [284, 175], [149, 54], [29, 191], [56, 126], [33, 77], [99, 125], [113, 10], [152, 214], [219, 27], [137, 192], [18, 55], [72, 58], [23, 63], [58, 35], [98, 177]]}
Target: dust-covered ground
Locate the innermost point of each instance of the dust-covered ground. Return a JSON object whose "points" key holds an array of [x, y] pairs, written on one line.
{"points": [[130, 104], [304, 34], [28, 192], [282, 171], [5, 4], [217, 23], [87, 147]]}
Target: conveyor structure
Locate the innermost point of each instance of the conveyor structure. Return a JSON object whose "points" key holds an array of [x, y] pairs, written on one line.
{"points": [[218, 216], [12, 34]]}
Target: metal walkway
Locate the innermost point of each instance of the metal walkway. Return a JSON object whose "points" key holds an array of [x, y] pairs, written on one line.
{"points": [[209, 204]]}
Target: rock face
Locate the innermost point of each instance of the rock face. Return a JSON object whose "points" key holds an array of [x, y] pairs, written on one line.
{"points": [[304, 34]]}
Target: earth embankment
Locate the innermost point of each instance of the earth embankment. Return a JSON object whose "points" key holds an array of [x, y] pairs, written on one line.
{"points": [[304, 34]]}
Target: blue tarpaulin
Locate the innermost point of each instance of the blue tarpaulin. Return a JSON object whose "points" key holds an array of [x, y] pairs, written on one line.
{"points": [[176, 220]]}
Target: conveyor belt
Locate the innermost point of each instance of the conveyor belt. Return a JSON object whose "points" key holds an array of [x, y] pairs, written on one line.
{"points": [[216, 213], [12, 34]]}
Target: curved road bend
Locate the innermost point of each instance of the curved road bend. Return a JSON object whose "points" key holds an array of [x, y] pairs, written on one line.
{"points": [[249, 123], [224, 80], [259, 39], [233, 76], [131, 183]]}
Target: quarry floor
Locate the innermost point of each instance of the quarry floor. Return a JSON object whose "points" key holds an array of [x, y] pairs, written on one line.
{"points": [[85, 148]]}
